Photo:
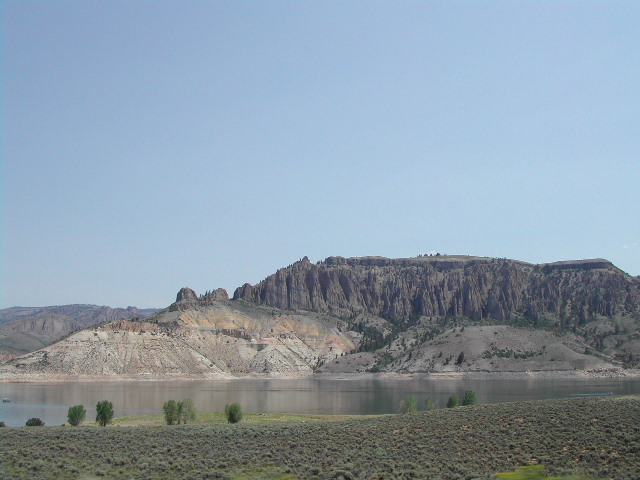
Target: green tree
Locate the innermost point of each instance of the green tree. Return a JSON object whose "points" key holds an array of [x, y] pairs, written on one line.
{"points": [[104, 413], [34, 422], [469, 398], [186, 411], [233, 412], [170, 409], [409, 405], [453, 402], [430, 404], [76, 415]]}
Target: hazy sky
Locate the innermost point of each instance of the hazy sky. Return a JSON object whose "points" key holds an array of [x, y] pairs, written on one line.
{"points": [[151, 145]]}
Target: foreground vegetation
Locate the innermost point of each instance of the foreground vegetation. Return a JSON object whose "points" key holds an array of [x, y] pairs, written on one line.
{"points": [[593, 437]]}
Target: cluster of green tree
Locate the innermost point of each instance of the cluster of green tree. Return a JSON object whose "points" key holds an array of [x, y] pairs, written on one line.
{"points": [[372, 338], [383, 361], [104, 413], [76, 415], [174, 413], [410, 404], [179, 412], [233, 412], [430, 404], [508, 353], [469, 398]]}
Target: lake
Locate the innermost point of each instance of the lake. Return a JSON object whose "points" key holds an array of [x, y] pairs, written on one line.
{"points": [[50, 401]]}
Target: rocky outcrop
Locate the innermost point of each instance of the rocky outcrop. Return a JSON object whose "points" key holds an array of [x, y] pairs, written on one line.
{"points": [[186, 295], [187, 299], [449, 286]]}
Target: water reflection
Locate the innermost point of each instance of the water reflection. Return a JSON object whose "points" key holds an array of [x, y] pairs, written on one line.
{"points": [[51, 401]]}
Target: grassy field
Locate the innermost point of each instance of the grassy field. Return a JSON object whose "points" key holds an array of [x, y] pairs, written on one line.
{"points": [[216, 418], [594, 437]]}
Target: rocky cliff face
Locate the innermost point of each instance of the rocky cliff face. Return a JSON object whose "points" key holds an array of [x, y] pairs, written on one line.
{"points": [[449, 286], [590, 298]]}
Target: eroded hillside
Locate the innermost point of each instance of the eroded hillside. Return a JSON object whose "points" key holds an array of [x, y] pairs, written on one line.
{"points": [[212, 337], [25, 329]]}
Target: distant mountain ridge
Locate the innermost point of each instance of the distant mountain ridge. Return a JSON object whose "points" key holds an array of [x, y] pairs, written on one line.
{"points": [[428, 314], [25, 329]]}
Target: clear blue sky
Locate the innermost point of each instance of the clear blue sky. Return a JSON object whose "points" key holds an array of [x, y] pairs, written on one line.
{"points": [[150, 145]]}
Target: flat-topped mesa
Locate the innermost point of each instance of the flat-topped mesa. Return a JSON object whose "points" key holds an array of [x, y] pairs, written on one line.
{"points": [[587, 264], [438, 261], [457, 261], [448, 286]]}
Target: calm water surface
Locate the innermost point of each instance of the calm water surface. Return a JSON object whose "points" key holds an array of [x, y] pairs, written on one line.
{"points": [[51, 401]]}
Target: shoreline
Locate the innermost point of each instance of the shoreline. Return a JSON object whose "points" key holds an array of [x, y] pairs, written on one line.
{"points": [[542, 375]]}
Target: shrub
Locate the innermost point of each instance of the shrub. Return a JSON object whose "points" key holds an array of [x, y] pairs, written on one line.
{"points": [[469, 398], [76, 415], [2, 424], [453, 402], [34, 422], [409, 405], [104, 413], [430, 404], [233, 412]]}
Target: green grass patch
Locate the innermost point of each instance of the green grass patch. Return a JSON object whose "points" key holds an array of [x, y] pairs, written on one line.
{"points": [[267, 473], [215, 418]]}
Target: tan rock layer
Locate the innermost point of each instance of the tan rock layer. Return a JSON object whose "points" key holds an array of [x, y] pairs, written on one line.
{"points": [[208, 340]]}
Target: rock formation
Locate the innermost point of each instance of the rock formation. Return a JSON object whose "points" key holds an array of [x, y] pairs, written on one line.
{"points": [[449, 286], [343, 315], [589, 298]]}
